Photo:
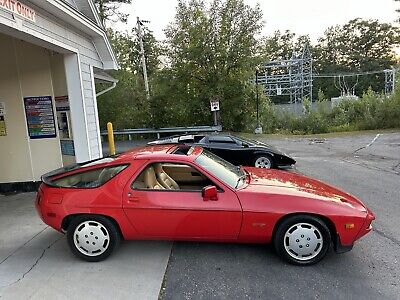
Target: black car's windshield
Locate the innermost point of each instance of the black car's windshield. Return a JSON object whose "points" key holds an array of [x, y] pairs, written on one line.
{"points": [[225, 171]]}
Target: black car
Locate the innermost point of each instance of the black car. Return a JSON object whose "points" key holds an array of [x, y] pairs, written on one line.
{"points": [[238, 151]]}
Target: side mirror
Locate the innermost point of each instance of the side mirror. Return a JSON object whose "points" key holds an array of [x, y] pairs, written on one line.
{"points": [[245, 145], [210, 193]]}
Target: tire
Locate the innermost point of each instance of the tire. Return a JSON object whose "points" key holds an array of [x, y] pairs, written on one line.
{"points": [[302, 240], [264, 161], [92, 238]]}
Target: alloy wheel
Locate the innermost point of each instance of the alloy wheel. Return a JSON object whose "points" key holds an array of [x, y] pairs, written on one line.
{"points": [[303, 241], [91, 238]]}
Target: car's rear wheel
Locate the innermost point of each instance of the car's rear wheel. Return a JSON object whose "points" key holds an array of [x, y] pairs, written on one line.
{"points": [[302, 239], [92, 237], [264, 161]]}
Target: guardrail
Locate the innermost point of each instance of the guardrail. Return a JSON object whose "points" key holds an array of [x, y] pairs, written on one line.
{"points": [[158, 131]]}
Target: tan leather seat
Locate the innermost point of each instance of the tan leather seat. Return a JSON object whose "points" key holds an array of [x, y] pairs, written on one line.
{"points": [[150, 180], [164, 179]]}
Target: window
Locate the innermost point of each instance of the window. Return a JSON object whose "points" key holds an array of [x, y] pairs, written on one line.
{"points": [[171, 176], [89, 179], [225, 171], [221, 139]]}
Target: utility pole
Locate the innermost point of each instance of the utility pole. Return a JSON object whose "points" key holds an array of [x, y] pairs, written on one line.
{"points": [[143, 58], [258, 130]]}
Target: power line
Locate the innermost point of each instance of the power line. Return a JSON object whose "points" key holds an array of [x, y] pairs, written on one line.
{"points": [[354, 74]]}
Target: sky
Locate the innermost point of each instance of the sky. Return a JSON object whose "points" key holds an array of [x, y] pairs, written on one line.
{"points": [[299, 16]]}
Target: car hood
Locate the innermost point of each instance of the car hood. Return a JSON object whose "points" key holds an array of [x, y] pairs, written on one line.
{"points": [[295, 184]]}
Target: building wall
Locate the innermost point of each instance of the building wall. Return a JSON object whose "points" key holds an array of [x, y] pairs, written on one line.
{"points": [[47, 27], [24, 71]]}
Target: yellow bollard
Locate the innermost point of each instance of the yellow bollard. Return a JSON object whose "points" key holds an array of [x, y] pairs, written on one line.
{"points": [[111, 144]]}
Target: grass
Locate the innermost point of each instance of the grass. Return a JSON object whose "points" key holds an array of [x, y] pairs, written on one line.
{"points": [[320, 135]]}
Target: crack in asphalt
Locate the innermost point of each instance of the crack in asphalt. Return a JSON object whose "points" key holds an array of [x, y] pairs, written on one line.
{"points": [[12, 253], [386, 236], [35, 263], [345, 159], [368, 145]]}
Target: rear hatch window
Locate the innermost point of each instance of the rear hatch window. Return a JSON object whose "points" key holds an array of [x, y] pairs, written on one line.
{"points": [[86, 178]]}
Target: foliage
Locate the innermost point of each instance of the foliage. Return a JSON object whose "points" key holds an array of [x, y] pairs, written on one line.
{"points": [[110, 10], [371, 111], [210, 51], [358, 46], [126, 105]]}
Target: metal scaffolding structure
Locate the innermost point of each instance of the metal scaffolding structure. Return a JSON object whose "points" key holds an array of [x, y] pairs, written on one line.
{"points": [[292, 77]]}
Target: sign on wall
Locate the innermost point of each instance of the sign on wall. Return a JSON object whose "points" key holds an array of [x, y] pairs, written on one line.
{"points": [[2, 109], [3, 129], [19, 9], [40, 117], [62, 103], [67, 147]]}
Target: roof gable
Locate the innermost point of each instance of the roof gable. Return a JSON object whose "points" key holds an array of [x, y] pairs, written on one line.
{"points": [[88, 8]]}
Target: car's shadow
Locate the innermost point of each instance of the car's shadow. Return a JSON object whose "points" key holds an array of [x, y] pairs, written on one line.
{"points": [[240, 271]]}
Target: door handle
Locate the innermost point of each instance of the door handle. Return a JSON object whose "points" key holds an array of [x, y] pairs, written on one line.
{"points": [[132, 198]]}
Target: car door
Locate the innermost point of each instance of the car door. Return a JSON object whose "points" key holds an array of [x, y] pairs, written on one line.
{"points": [[182, 214]]}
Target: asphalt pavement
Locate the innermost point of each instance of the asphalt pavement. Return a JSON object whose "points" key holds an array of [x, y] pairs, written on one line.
{"points": [[365, 165], [35, 262]]}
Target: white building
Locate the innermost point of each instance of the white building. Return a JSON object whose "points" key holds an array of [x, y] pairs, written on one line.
{"points": [[51, 53]]}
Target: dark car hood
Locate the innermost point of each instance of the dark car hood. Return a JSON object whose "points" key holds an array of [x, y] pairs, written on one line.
{"points": [[303, 186]]}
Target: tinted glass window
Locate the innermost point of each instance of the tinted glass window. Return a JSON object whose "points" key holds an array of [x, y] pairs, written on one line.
{"points": [[171, 176], [89, 179], [221, 139], [222, 169]]}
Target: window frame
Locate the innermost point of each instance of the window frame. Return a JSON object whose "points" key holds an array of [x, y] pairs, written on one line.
{"points": [[146, 165], [51, 184]]}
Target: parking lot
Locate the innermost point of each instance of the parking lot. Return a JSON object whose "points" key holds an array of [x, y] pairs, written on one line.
{"points": [[36, 263]]}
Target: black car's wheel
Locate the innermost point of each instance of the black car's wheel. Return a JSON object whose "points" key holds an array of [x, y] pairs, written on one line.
{"points": [[92, 238], [302, 240], [264, 161]]}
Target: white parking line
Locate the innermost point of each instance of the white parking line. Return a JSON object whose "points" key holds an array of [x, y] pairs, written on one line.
{"points": [[373, 141]]}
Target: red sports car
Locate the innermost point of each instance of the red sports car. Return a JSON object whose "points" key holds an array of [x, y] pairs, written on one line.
{"points": [[181, 193]]}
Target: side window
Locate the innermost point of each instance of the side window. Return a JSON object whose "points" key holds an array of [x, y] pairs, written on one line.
{"points": [[89, 179], [221, 140], [171, 176]]}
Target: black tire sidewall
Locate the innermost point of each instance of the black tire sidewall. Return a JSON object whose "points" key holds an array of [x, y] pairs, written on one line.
{"points": [[266, 156], [286, 224], [113, 232]]}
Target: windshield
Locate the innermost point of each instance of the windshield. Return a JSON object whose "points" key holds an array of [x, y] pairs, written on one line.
{"points": [[225, 171]]}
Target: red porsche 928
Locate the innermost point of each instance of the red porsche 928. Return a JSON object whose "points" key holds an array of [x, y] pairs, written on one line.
{"points": [[171, 192]]}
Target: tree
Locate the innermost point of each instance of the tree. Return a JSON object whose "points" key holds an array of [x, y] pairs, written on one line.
{"points": [[110, 10], [126, 105], [358, 46], [210, 53]]}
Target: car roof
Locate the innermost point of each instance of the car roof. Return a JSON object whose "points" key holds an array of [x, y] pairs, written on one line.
{"points": [[158, 152]]}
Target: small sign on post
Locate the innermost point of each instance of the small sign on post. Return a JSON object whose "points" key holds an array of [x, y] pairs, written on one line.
{"points": [[214, 105]]}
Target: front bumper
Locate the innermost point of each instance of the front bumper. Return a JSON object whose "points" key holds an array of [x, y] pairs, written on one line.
{"points": [[339, 248]]}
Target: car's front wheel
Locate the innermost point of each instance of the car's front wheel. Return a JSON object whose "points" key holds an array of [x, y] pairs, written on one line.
{"points": [[302, 239], [92, 237], [264, 161]]}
